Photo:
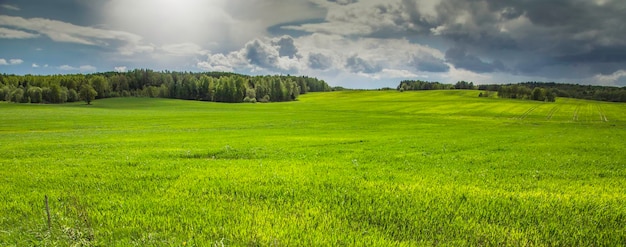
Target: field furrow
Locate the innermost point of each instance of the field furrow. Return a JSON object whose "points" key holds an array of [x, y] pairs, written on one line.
{"points": [[576, 113], [603, 117], [525, 114], [553, 110]]}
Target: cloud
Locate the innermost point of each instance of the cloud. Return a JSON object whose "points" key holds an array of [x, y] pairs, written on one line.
{"points": [[617, 78], [35, 65], [330, 56], [126, 43], [319, 61], [461, 59], [16, 61], [358, 65], [533, 38], [581, 35], [395, 73], [219, 62], [428, 63], [286, 47], [120, 69], [225, 25], [87, 68], [10, 7], [260, 53], [366, 39], [13, 61], [361, 18], [265, 54], [6, 33], [67, 67], [343, 2], [184, 49], [82, 68]]}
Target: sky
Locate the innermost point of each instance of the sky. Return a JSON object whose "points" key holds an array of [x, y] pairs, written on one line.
{"points": [[349, 43]]}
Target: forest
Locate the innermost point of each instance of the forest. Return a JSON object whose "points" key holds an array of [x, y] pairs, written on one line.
{"points": [[539, 91], [600, 93], [408, 85], [211, 86]]}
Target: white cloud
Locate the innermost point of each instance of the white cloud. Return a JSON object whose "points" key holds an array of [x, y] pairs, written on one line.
{"points": [[35, 65], [82, 68], [331, 57], [613, 79], [10, 7], [16, 61], [399, 73], [127, 43], [258, 55], [12, 61], [6, 33], [220, 62], [87, 68], [184, 49], [67, 67], [456, 74], [120, 69]]}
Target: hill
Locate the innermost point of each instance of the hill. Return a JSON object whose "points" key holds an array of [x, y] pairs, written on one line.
{"points": [[374, 168]]}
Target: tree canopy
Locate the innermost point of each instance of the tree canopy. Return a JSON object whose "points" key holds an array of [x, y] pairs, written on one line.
{"points": [[210, 86], [87, 93], [540, 91]]}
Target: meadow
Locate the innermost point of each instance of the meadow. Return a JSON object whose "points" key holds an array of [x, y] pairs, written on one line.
{"points": [[350, 168]]}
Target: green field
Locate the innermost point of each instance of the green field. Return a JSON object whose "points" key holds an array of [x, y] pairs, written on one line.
{"points": [[353, 168]]}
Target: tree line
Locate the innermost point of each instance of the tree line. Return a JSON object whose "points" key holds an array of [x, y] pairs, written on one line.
{"points": [[523, 92], [600, 93], [540, 91], [408, 85], [211, 86]]}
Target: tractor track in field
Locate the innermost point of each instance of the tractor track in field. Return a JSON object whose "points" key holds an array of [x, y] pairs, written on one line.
{"points": [[552, 111], [527, 112], [575, 117], [603, 117]]}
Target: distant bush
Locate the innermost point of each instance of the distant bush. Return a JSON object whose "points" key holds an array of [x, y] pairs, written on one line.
{"points": [[265, 99], [249, 100]]}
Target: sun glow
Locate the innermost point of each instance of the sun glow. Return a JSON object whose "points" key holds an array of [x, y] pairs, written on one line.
{"points": [[171, 21]]}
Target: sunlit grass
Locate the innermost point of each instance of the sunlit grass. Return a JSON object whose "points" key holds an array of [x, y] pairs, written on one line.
{"points": [[341, 168]]}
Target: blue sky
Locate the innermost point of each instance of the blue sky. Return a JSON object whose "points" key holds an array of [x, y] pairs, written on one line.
{"points": [[350, 43]]}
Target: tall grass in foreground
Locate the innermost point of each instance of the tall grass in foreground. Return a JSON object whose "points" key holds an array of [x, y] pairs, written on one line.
{"points": [[343, 168]]}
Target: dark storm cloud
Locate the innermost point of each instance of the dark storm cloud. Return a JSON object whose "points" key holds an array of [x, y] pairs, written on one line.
{"points": [[343, 2], [560, 32], [319, 61], [429, 64], [461, 59], [286, 47], [359, 65]]}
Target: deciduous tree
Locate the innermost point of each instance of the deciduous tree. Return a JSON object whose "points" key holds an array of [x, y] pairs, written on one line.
{"points": [[87, 93]]}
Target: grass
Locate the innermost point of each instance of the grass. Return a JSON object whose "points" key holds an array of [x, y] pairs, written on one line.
{"points": [[372, 168]]}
